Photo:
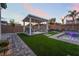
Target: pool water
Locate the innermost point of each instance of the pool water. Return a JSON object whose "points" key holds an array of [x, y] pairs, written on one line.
{"points": [[70, 36], [73, 34]]}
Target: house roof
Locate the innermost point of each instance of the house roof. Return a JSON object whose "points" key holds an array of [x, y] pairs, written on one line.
{"points": [[34, 19]]}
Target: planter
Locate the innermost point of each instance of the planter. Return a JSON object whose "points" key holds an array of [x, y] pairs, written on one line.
{"points": [[4, 43], [4, 47]]}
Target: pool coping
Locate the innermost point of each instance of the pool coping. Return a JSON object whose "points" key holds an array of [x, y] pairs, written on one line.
{"points": [[65, 40]]}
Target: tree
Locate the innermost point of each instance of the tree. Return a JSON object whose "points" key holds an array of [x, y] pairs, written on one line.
{"points": [[52, 20], [73, 14], [12, 23], [62, 19], [2, 6]]}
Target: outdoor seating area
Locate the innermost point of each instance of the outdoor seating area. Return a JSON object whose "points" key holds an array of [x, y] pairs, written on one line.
{"points": [[36, 25]]}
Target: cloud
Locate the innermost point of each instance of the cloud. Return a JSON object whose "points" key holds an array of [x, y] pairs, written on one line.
{"points": [[75, 6], [8, 14], [35, 11]]}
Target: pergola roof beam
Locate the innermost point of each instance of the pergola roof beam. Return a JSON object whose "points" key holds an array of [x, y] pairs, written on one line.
{"points": [[34, 19]]}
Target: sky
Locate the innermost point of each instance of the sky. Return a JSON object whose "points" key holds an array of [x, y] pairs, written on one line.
{"points": [[18, 11]]}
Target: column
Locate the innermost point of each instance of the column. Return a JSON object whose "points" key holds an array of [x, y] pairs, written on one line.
{"points": [[0, 21], [47, 27], [30, 27], [38, 26], [23, 26]]}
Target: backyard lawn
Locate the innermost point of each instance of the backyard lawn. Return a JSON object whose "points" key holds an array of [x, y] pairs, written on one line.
{"points": [[53, 32], [44, 46]]}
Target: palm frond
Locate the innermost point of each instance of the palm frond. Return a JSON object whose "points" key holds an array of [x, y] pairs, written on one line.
{"points": [[3, 5]]}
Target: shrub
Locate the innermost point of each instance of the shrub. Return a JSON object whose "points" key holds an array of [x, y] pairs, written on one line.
{"points": [[3, 46], [4, 43]]}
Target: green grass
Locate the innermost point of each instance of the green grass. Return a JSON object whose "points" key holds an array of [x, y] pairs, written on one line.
{"points": [[44, 46], [53, 32]]}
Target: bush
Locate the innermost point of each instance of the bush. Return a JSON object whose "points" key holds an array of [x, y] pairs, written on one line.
{"points": [[3, 46], [4, 43]]}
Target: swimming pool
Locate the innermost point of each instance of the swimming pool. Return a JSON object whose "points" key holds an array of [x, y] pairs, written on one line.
{"points": [[70, 36], [73, 34]]}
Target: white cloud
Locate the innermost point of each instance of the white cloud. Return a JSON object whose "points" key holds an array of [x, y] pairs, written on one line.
{"points": [[37, 11], [8, 14]]}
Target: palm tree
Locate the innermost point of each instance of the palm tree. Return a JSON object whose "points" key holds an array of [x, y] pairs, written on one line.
{"points": [[73, 14], [62, 19], [12, 23], [2, 6]]}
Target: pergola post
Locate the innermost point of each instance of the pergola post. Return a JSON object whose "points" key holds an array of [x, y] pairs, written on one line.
{"points": [[30, 27], [0, 21], [47, 27], [38, 26], [23, 26]]}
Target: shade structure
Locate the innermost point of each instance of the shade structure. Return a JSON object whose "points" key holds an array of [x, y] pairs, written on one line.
{"points": [[40, 28], [34, 19]]}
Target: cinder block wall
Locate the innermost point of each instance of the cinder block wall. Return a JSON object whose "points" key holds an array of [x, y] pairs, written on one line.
{"points": [[72, 27], [10, 29], [67, 27]]}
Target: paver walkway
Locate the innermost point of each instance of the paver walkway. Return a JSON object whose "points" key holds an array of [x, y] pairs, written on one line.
{"points": [[19, 48]]}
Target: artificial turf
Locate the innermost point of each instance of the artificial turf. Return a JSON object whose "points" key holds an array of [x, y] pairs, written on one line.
{"points": [[53, 32], [44, 46]]}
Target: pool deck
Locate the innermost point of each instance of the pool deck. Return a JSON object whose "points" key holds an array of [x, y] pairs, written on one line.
{"points": [[65, 40]]}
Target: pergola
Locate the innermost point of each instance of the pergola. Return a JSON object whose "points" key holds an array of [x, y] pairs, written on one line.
{"points": [[34, 19]]}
